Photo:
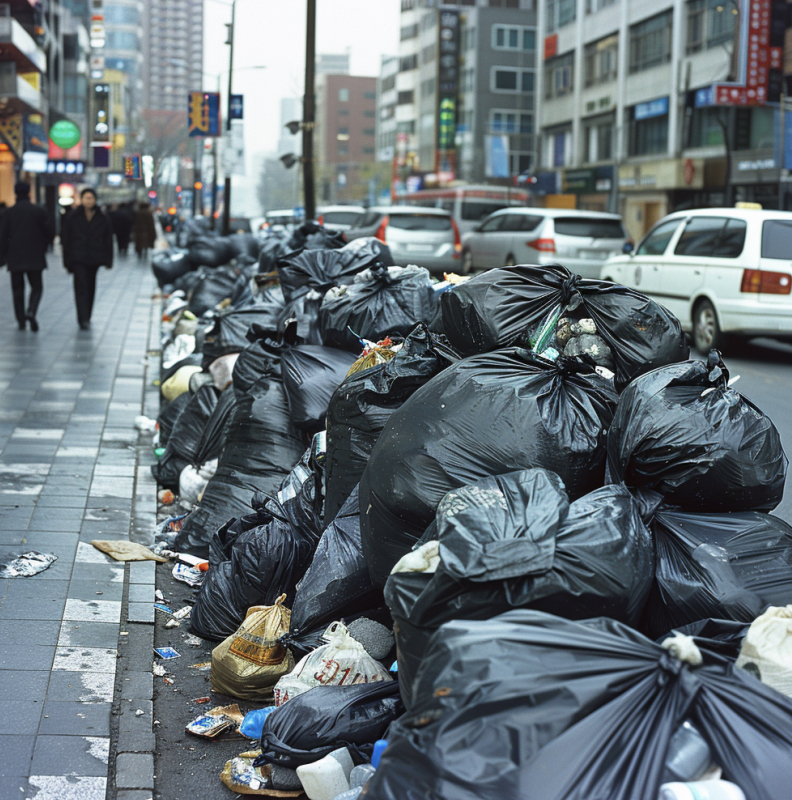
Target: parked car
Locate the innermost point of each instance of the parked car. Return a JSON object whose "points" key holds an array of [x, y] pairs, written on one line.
{"points": [[580, 240], [428, 237], [723, 271], [281, 216], [340, 218]]}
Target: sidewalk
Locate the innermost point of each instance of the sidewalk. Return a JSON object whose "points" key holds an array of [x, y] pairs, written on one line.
{"points": [[69, 473]]}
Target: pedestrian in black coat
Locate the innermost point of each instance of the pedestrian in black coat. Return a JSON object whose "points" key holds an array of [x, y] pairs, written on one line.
{"points": [[121, 220], [87, 242], [25, 234]]}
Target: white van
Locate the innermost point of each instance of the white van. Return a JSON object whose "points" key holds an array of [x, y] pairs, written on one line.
{"points": [[722, 271]]}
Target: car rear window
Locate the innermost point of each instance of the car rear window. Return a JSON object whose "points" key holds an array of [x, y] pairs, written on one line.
{"points": [[342, 217], [239, 224], [588, 227], [420, 222], [475, 210], [777, 239]]}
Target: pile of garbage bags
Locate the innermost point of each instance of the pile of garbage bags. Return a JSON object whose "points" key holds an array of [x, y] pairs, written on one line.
{"points": [[491, 537]]}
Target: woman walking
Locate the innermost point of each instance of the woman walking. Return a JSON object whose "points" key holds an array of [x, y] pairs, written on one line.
{"points": [[25, 234], [144, 234], [87, 242]]}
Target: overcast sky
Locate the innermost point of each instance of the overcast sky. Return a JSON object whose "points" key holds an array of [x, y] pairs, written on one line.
{"points": [[272, 33]]}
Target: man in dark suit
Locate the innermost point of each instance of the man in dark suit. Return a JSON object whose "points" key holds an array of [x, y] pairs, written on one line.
{"points": [[25, 234]]}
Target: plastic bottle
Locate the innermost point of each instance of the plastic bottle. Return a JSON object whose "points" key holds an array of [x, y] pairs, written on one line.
{"points": [[689, 757], [701, 790], [361, 774], [327, 778], [352, 794]]}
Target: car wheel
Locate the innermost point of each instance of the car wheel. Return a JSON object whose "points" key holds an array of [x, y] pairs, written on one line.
{"points": [[510, 261], [467, 263], [706, 330]]}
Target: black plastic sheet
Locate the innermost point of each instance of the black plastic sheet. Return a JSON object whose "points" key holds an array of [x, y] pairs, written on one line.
{"points": [[364, 402], [274, 246], [168, 415], [486, 415], [210, 288], [169, 265], [216, 430], [311, 374], [531, 705], [681, 431], [325, 718], [210, 251], [503, 307], [228, 332], [515, 541], [382, 301], [725, 566], [313, 236]]}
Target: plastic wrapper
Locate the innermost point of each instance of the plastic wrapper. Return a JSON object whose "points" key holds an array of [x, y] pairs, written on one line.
{"points": [[192, 482], [374, 354], [222, 371], [504, 307], [250, 661], [532, 705], [767, 650], [313, 724], [304, 309], [381, 301], [261, 446], [341, 662], [27, 564], [182, 346], [321, 270], [364, 402], [311, 374], [337, 584], [720, 566], [169, 265], [683, 432], [515, 541], [486, 415]]}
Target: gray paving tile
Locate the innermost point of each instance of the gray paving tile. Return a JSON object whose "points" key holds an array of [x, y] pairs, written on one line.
{"points": [[95, 590], [69, 787], [23, 715], [140, 613], [32, 588], [141, 593], [135, 771], [16, 683], [36, 657], [17, 751], [82, 687], [28, 631], [142, 572], [88, 634], [75, 719], [136, 684], [32, 608], [70, 755], [16, 786]]}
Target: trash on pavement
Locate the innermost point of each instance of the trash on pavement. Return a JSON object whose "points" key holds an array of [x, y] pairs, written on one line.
{"points": [[179, 383], [701, 790], [27, 564], [166, 652], [254, 721], [192, 641], [163, 608], [145, 425], [172, 623], [767, 649], [328, 777], [215, 721], [241, 776], [183, 613], [158, 670], [192, 576], [122, 550]]}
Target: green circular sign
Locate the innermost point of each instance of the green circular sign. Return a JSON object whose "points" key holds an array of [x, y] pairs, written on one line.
{"points": [[65, 134]]}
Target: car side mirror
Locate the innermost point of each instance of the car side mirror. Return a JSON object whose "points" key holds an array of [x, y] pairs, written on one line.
{"points": [[628, 248]]}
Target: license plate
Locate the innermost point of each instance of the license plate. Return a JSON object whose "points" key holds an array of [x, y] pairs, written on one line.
{"points": [[419, 248]]}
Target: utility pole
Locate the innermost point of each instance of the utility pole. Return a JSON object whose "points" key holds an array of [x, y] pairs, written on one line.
{"points": [[227, 192], [309, 113]]}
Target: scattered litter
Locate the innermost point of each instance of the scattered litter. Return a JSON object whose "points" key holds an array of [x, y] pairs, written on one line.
{"points": [[192, 561], [124, 633], [30, 563], [254, 721], [241, 776], [189, 575], [215, 721], [183, 613], [202, 700], [126, 551], [192, 641], [158, 594], [158, 669], [204, 666], [139, 712], [166, 652], [172, 623], [169, 681], [166, 497], [145, 424], [162, 607]]}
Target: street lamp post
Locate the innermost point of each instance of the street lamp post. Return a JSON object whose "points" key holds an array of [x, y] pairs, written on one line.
{"points": [[227, 185], [309, 113]]}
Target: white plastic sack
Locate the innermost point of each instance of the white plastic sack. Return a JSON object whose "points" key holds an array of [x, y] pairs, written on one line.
{"points": [[767, 649], [182, 346], [221, 370], [178, 383], [340, 662], [193, 481]]}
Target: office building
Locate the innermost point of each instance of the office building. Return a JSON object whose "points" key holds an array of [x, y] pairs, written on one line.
{"points": [[386, 109], [332, 64]]}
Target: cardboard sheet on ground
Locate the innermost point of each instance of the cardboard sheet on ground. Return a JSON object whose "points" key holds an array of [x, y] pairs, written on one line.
{"points": [[127, 551]]}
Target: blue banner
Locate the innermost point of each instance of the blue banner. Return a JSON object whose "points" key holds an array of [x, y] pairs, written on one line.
{"points": [[203, 114], [654, 108], [236, 107]]}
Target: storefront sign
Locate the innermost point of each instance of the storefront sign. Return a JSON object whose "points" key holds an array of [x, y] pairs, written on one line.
{"points": [[579, 181], [672, 173], [448, 79], [764, 163], [654, 108]]}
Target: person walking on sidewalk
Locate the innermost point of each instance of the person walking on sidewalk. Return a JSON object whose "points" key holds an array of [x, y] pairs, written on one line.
{"points": [[87, 243], [25, 234], [144, 234]]}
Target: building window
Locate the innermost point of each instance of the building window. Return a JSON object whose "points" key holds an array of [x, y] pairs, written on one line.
{"points": [[343, 112], [468, 80], [369, 112], [598, 142], [705, 129], [648, 136], [368, 131], [504, 3], [513, 37], [558, 75], [650, 42], [560, 13], [406, 127], [121, 15], [409, 32], [368, 151], [405, 98], [504, 121], [511, 80], [427, 87], [406, 63], [557, 149], [343, 95], [601, 60], [469, 38], [369, 95], [428, 54], [343, 135], [710, 23], [343, 150], [121, 40], [407, 5]]}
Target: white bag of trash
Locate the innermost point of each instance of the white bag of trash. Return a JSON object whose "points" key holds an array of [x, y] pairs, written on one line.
{"points": [[192, 482], [341, 662], [767, 649]]}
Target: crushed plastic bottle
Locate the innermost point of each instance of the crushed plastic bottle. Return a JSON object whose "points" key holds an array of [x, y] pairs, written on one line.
{"points": [[701, 790], [689, 757]]}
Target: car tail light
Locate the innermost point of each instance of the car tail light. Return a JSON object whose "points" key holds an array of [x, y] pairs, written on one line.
{"points": [[543, 245], [380, 234], [321, 219], [457, 239], [760, 281]]}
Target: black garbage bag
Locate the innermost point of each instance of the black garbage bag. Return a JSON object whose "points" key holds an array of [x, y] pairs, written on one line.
{"points": [[185, 438], [337, 585], [536, 706], [311, 374], [168, 415], [363, 403], [321, 270], [515, 541], [216, 429], [486, 415], [211, 251], [504, 307], [313, 724], [212, 287], [304, 310], [169, 265], [196, 228], [729, 566], [313, 236], [274, 246], [244, 244], [267, 553], [381, 301], [681, 431], [724, 636], [228, 331], [261, 448]]}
